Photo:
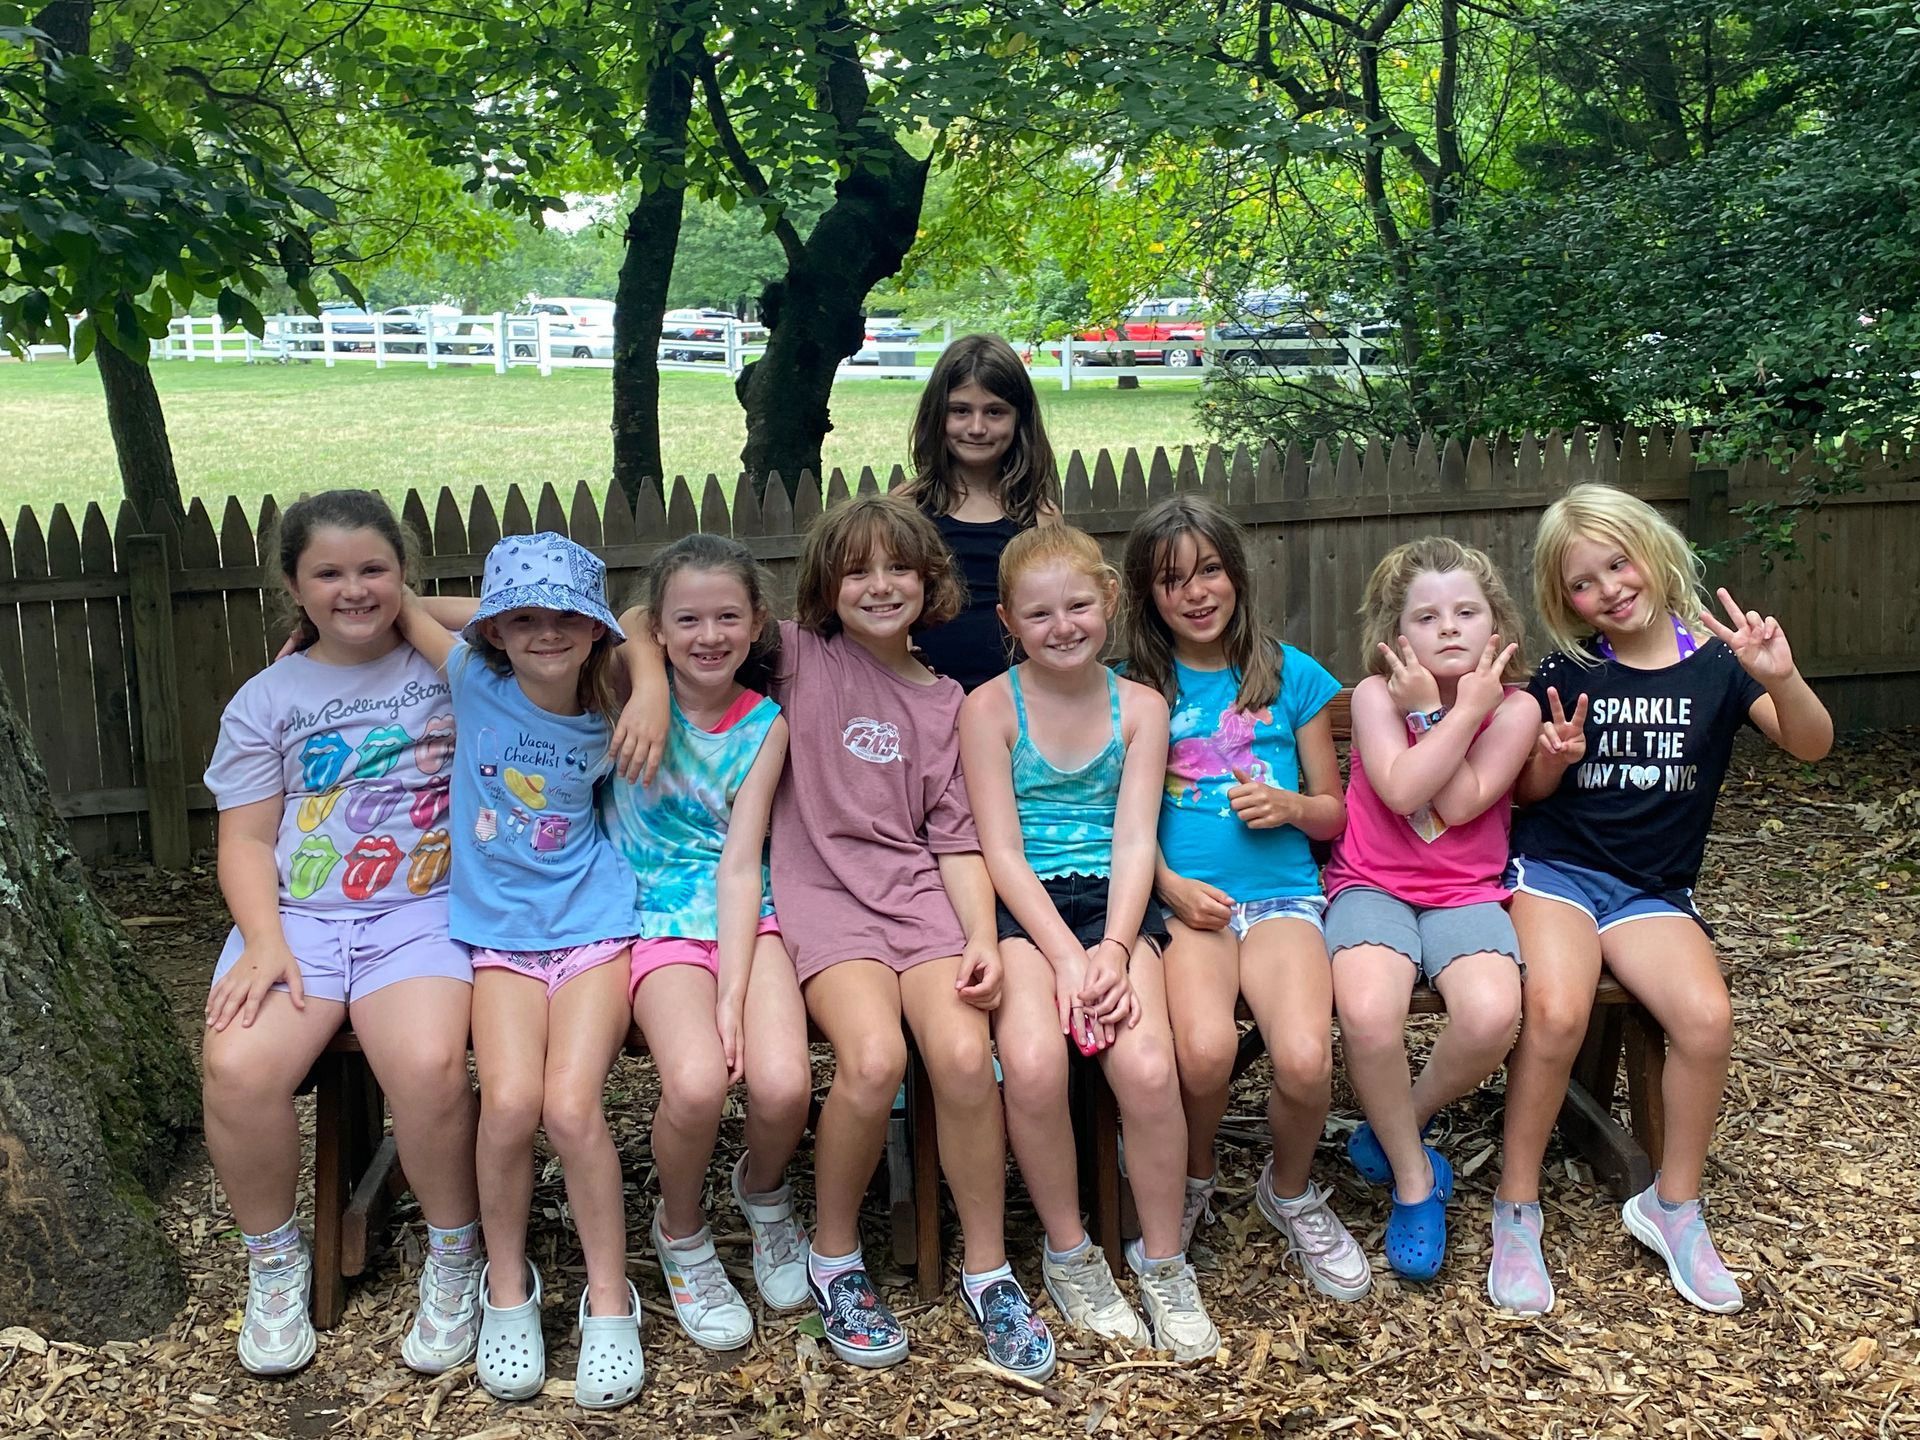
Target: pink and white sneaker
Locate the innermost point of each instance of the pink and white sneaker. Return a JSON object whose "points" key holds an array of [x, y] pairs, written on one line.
{"points": [[1517, 1278], [1679, 1237]]}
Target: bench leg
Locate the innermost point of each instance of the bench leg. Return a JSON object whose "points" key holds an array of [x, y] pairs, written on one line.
{"points": [[1586, 1116], [332, 1185], [1646, 1059], [1097, 1138], [923, 1138], [1251, 1048]]}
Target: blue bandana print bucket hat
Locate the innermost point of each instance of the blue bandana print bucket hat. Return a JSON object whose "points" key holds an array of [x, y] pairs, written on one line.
{"points": [[545, 572]]}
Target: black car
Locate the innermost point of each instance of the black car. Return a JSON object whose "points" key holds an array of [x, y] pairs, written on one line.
{"points": [[1281, 329]]}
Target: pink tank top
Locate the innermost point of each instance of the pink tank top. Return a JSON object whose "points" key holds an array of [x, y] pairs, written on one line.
{"points": [[1419, 858]]}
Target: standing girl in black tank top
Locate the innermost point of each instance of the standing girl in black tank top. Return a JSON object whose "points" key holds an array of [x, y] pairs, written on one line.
{"points": [[984, 471]]}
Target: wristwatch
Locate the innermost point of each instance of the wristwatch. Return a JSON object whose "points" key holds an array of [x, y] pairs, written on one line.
{"points": [[1424, 720]]}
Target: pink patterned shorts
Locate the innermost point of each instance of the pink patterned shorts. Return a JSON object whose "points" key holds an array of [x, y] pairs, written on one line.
{"points": [[555, 967]]}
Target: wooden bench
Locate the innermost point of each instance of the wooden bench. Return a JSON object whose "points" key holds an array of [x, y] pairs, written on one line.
{"points": [[1621, 1030]]}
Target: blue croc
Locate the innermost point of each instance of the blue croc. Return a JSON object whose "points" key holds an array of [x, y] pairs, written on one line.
{"points": [[1417, 1233], [1369, 1160]]}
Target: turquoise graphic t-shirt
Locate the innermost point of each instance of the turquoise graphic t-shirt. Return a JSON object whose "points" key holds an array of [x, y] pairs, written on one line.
{"points": [[1200, 836]]}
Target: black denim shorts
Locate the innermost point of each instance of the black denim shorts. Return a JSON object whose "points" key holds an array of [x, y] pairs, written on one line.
{"points": [[1082, 903]]}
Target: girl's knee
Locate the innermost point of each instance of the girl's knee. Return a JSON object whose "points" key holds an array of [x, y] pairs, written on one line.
{"points": [[511, 1112], [1303, 1066], [695, 1084], [961, 1064], [780, 1088], [1145, 1075], [433, 1079], [573, 1118], [1373, 1025], [1487, 1023], [1206, 1055], [1034, 1067], [870, 1069], [1703, 1027], [1556, 1022]]}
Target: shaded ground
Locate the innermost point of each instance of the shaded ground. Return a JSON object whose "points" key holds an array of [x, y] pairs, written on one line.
{"points": [[1813, 882]]}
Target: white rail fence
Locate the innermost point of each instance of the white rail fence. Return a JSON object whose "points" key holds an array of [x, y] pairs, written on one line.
{"points": [[502, 342]]}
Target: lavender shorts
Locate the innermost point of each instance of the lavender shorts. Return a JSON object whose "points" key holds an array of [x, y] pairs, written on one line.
{"points": [[555, 967], [345, 957]]}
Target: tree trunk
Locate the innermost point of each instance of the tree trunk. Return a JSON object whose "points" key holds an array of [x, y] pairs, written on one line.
{"points": [[97, 1090], [139, 427], [653, 238], [815, 313]]}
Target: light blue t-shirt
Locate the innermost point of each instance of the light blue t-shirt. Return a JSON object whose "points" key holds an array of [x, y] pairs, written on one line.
{"points": [[1200, 836], [534, 870]]}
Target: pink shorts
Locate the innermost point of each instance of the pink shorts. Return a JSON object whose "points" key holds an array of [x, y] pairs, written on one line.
{"points": [[556, 967], [652, 955]]}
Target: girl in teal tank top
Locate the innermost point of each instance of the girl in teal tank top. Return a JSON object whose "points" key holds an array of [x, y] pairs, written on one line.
{"points": [[1064, 763]]}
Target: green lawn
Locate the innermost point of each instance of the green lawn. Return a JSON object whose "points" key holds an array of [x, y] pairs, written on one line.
{"points": [[248, 430]]}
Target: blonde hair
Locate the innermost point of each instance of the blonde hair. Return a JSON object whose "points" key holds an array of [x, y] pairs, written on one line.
{"points": [[1668, 568], [1044, 545], [1252, 652], [1385, 600], [845, 536]]}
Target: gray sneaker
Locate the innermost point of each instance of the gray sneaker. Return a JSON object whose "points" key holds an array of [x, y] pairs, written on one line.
{"points": [[1171, 1296], [1332, 1261], [1083, 1291], [446, 1327], [276, 1334]]}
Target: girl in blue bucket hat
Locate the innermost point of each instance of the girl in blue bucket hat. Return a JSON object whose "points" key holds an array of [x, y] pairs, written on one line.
{"points": [[546, 903]]}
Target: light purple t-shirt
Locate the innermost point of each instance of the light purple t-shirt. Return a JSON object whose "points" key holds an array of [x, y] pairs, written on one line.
{"points": [[361, 753], [872, 793]]}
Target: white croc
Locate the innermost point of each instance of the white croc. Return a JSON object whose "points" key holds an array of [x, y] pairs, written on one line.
{"points": [[611, 1364], [512, 1359]]}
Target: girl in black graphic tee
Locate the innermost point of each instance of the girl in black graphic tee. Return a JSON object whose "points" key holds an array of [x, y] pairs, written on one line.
{"points": [[1639, 707]]}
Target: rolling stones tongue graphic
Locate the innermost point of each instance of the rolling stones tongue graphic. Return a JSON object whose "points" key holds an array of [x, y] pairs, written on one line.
{"points": [[430, 859], [435, 745], [373, 803], [381, 751], [310, 865], [322, 759], [429, 802], [370, 865], [314, 809]]}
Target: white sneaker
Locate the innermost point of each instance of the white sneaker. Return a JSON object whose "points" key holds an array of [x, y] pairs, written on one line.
{"points": [[1195, 1208], [779, 1245], [276, 1333], [1329, 1256], [1171, 1296], [446, 1327], [705, 1303], [1082, 1290]]}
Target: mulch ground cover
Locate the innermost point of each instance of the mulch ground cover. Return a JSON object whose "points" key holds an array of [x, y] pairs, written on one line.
{"points": [[1813, 883]]}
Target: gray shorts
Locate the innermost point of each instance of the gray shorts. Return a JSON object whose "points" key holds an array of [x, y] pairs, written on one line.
{"points": [[1432, 937]]}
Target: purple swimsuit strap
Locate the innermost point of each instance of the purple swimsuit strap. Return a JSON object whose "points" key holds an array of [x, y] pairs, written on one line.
{"points": [[1683, 637]]}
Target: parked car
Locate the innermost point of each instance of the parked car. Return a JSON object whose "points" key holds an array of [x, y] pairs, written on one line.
{"points": [[889, 334], [577, 327], [705, 328], [352, 327], [412, 320], [1169, 330], [1282, 328]]}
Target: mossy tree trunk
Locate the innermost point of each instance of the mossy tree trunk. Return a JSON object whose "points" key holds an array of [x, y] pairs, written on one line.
{"points": [[97, 1089]]}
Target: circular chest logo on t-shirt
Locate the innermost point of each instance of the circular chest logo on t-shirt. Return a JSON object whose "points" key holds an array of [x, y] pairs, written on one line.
{"points": [[875, 741]]}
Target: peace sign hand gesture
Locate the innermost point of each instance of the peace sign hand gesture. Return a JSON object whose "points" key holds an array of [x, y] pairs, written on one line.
{"points": [[1563, 739], [1409, 683], [1758, 643], [1481, 690]]}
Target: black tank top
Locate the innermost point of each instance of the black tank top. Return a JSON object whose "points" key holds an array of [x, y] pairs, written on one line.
{"points": [[971, 647]]}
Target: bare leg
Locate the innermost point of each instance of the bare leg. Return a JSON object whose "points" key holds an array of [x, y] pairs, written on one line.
{"points": [[1140, 1067], [248, 1075], [1483, 1015], [675, 1006], [856, 1004], [1668, 964], [1289, 987], [779, 1071], [1562, 951], [1033, 1062], [1372, 985], [415, 1036], [957, 1045], [510, 1052], [587, 1020], [1202, 970]]}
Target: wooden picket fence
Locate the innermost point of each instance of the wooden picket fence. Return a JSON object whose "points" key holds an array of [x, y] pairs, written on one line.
{"points": [[122, 641]]}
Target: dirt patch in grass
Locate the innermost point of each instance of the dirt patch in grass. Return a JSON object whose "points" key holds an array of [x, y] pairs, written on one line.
{"points": [[1813, 883]]}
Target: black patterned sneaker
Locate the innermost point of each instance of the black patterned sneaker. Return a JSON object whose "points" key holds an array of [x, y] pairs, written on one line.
{"points": [[1016, 1336], [860, 1327]]}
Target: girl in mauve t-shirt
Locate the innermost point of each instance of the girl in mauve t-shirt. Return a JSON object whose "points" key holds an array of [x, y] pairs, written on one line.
{"points": [[886, 906], [1414, 883]]}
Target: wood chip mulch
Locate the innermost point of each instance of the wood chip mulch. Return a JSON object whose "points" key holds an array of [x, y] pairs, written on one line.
{"points": [[1813, 883]]}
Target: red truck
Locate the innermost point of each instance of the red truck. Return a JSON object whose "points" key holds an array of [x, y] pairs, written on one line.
{"points": [[1167, 330]]}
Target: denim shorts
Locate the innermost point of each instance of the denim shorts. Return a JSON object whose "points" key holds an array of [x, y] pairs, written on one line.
{"points": [[1081, 901], [1431, 936], [1249, 913], [1607, 899]]}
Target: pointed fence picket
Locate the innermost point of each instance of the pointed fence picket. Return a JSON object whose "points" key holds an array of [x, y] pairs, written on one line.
{"points": [[122, 642]]}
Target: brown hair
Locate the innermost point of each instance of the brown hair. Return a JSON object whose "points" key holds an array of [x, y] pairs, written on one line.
{"points": [[845, 537], [720, 552], [1029, 479], [1251, 651], [292, 531], [1385, 599]]}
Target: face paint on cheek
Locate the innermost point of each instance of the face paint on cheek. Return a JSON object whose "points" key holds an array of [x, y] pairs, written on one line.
{"points": [[370, 865]]}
